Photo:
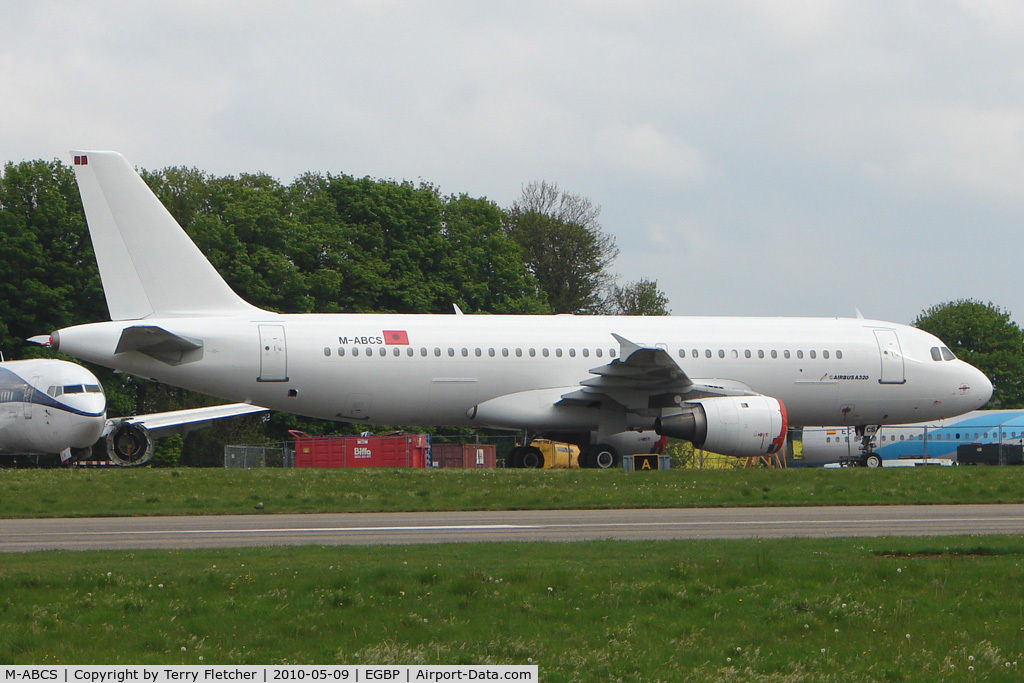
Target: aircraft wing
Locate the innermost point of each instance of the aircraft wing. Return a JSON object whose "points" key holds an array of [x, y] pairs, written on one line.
{"points": [[647, 378], [183, 421]]}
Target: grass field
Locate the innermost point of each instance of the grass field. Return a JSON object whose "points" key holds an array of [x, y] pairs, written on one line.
{"points": [[942, 609], [79, 493], [946, 609]]}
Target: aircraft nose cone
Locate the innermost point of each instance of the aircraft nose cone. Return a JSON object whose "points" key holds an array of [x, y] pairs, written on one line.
{"points": [[984, 388], [976, 388]]}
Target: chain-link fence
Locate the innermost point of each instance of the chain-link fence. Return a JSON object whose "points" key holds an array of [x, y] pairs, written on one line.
{"points": [[259, 456]]}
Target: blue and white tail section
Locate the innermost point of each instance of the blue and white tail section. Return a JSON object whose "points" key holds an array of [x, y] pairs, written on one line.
{"points": [[148, 264]]}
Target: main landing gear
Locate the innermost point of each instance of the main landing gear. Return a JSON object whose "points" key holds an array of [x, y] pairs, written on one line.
{"points": [[600, 456]]}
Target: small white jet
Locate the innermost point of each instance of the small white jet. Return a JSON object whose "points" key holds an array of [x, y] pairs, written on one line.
{"points": [[50, 406], [729, 385]]}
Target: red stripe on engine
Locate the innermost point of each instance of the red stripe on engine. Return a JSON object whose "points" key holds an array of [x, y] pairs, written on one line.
{"points": [[780, 440]]}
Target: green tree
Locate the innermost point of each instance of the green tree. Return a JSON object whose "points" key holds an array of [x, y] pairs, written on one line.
{"points": [[564, 247], [983, 335], [640, 298], [482, 268], [398, 227], [49, 279]]}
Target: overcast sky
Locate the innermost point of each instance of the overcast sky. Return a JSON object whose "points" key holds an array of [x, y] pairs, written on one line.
{"points": [[784, 157]]}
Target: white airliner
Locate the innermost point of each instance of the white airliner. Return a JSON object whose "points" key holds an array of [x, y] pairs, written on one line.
{"points": [[730, 385], [50, 406]]}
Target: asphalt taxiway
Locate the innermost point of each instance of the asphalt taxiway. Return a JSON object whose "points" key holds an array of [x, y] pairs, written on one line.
{"points": [[114, 533]]}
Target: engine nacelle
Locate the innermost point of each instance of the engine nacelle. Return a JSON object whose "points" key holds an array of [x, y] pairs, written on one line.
{"points": [[634, 443], [130, 445], [741, 426]]}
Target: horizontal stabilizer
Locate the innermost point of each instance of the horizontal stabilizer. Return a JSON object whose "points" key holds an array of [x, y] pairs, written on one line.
{"points": [[160, 344]]}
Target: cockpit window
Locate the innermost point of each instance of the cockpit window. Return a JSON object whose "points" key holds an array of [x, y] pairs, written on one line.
{"points": [[55, 391], [74, 388], [936, 353], [947, 354]]}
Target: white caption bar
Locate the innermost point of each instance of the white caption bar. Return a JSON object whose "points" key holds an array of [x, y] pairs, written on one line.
{"points": [[264, 674]]}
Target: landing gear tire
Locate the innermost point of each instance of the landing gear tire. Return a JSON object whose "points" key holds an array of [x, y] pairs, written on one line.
{"points": [[600, 456], [514, 459], [531, 458], [872, 460]]}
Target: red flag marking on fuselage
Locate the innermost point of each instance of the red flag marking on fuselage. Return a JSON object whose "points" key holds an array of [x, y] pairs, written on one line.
{"points": [[393, 337]]}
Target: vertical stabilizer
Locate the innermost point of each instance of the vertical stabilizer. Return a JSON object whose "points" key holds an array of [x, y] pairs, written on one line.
{"points": [[148, 265]]}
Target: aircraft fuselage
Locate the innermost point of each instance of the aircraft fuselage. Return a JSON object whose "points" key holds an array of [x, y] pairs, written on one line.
{"points": [[432, 369]]}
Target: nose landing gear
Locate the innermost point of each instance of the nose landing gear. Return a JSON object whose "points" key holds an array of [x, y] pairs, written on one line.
{"points": [[868, 457]]}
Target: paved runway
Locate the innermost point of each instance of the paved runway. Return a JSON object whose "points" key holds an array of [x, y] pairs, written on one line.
{"points": [[115, 533]]}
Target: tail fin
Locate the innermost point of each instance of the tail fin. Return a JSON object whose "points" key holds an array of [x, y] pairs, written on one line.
{"points": [[148, 265]]}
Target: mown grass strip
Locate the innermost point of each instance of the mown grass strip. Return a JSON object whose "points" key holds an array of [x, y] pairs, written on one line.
{"points": [[78, 493], [795, 610]]}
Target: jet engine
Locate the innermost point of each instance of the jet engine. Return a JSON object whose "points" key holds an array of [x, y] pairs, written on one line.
{"points": [[741, 426], [129, 444]]}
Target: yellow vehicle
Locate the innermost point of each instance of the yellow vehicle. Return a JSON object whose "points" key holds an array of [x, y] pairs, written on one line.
{"points": [[544, 453]]}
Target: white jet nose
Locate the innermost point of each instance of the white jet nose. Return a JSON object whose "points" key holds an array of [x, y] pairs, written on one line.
{"points": [[87, 430], [981, 387]]}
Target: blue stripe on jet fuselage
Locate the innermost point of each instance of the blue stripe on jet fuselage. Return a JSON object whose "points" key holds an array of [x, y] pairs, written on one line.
{"points": [[990, 427], [12, 390]]}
